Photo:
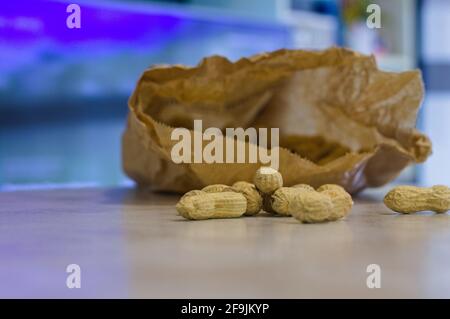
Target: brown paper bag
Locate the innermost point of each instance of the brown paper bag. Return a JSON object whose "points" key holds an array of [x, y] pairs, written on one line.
{"points": [[341, 120]]}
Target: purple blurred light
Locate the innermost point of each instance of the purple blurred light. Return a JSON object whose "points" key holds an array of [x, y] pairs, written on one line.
{"points": [[25, 21]]}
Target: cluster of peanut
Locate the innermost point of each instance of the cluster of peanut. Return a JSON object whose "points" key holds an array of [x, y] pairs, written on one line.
{"points": [[328, 203]]}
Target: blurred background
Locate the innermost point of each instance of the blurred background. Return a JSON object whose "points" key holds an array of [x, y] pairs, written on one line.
{"points": [[63, 92]]}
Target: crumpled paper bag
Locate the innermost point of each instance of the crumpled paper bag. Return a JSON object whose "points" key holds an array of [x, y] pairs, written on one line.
{"points": [[341, 120]]}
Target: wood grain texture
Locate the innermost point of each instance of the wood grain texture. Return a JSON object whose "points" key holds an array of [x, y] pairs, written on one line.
{"points": [[132, 244]]}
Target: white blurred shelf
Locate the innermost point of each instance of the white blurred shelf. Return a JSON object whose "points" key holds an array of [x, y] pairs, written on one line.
{"points": [[309, 29], [436, 113], [396, 62], [436, 30]]}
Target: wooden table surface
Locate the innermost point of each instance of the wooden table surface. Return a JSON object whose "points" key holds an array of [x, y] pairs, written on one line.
{"points": [[133, 244]]}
